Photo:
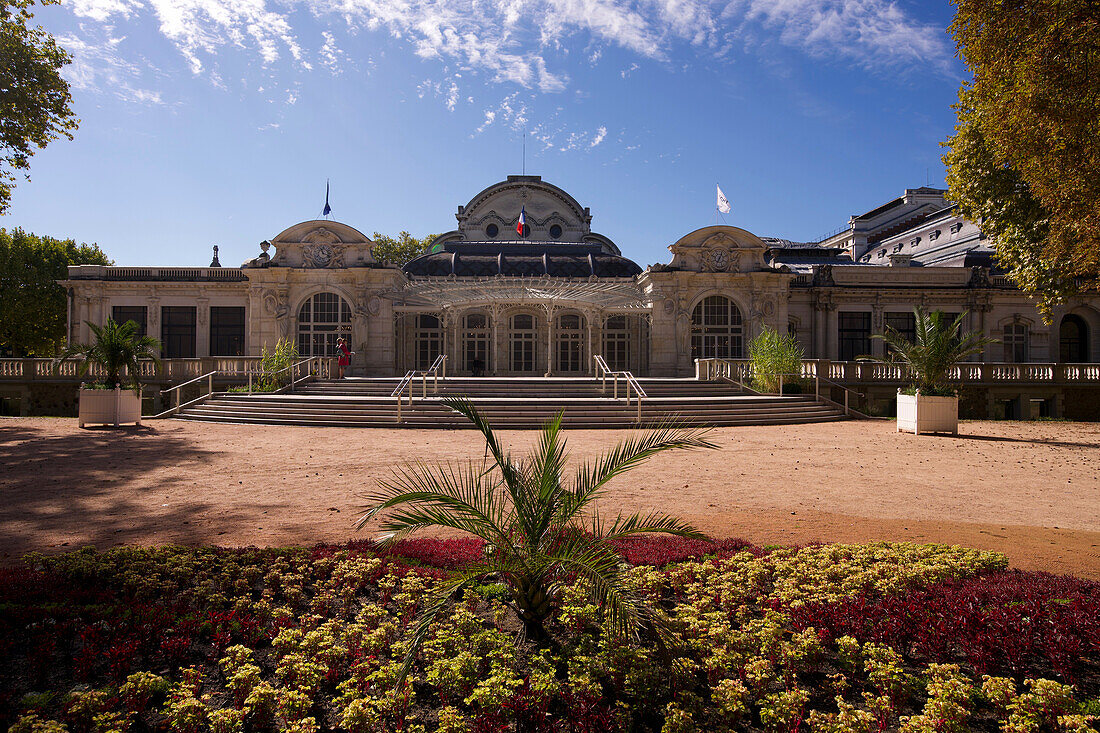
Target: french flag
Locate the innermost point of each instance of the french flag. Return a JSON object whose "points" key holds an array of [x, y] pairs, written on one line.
{"points": [[522, 223]]}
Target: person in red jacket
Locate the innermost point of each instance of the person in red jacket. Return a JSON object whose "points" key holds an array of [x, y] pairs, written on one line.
{"points": [[345, 355]]}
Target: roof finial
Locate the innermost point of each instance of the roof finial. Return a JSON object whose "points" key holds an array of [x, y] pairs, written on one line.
{"points": [[214, 262]]}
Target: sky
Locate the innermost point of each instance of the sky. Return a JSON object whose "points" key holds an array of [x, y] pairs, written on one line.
{"points": [[210, 122]]}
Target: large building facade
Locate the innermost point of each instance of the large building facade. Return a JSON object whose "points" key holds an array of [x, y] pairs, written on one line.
{"points": [[543, 297]]}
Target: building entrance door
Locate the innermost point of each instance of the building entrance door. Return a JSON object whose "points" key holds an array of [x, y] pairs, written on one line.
{"points": [[571, 344], [475, 344]]}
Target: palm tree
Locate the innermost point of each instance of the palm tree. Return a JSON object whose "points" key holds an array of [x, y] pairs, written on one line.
{"points": [[937, 346], [117, 346], [537, 540]]}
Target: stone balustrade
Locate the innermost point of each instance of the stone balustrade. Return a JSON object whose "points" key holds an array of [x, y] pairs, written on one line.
{"points": [[868, 372]]}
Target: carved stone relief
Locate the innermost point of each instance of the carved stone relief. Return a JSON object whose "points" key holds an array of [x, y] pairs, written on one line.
{"points": [[320, 235], [322, 256]]}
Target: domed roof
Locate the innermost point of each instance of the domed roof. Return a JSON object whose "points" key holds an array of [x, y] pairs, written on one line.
{"points": [[486, 259]]}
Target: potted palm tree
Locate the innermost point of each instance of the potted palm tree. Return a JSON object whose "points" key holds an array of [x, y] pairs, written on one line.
{"points": [[117, 347], [541, 530], [931, 403]]}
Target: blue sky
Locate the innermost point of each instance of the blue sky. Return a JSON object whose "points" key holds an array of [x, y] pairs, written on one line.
{"points": [[218, 121]]}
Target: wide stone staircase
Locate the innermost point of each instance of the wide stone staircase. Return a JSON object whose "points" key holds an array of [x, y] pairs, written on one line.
{"points": [[512, 403]]}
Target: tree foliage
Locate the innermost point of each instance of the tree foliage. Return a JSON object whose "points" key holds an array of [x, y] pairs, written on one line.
{"points": [[34, 97], [401, 249], [1025, 158], [533, 523], [33, 305], [938, 345], [117, 347]]}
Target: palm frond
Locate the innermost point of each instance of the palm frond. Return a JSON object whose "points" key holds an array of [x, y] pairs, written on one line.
{"points": [[503, 461], [651, 523], [593, 476], [458, 497], [622, 609]]}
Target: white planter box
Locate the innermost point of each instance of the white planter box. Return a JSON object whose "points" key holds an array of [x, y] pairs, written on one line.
{"points": [[109, 407], [927, 414]]}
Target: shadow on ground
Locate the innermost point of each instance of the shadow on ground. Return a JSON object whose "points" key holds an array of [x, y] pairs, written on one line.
{"points": [[58, 492], [1028, 441]]}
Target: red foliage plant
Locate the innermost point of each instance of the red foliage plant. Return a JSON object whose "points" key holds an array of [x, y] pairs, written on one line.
{"points": [[1014, 622], [455, 554]]}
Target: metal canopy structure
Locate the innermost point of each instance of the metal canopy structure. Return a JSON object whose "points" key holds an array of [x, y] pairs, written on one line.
{"points": [[608, 294]]}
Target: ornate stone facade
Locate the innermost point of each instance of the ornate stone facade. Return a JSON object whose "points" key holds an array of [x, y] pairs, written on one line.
{"points": [[545, 301]]}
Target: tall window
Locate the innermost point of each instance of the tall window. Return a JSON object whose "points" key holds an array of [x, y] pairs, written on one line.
{"points": [[1016, 340], [226, 330], [523, 339], [321, 320], [475, 343], [905, 324], [616, 343], [571, 336], [177, 331], [854, 331], [428, 340], [135, 313], [1073, 339], [716, 330]]}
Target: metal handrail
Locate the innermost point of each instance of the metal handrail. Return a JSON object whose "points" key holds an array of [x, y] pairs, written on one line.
{"points": [[209, 376], [735, 366], [604, 371], [439, 365]]}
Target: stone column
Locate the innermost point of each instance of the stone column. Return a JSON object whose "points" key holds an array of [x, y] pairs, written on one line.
{"points": [[549, 341], [202, 327], [819, 344], [831, 349], [494, 341], [878, 323]]}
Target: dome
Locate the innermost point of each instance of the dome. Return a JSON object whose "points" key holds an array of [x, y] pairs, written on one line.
{"points": [[487, 259]]}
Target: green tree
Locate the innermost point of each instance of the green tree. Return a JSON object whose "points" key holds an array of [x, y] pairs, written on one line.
{"points": [[532, 521], [937, 345], [34, 97], [117, 346], [400, 250], [33, 306], [1025, 157]]}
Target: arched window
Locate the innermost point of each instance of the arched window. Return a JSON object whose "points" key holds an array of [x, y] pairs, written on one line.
{"points": [[523, 342], [321, 320], [1073, 337], [428, 340], [475, 343], [571, 338], [616, 343], [716, 329]]}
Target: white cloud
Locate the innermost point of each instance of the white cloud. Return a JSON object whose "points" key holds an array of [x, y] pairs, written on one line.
{"points": [[101, 67], [521, 43], [601, 133], [867, 32], [330, 54]]}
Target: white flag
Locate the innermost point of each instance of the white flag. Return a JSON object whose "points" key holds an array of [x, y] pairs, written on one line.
{"points": [[723, 202]]}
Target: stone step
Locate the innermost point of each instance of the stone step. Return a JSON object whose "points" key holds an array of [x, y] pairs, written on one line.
{"points": [[511, 403]]}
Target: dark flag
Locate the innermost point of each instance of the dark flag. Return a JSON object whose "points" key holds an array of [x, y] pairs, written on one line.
{"points": [[328, 209]]}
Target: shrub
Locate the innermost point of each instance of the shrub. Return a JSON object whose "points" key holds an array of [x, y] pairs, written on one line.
{"points": [[275, 365], [773, 354]]}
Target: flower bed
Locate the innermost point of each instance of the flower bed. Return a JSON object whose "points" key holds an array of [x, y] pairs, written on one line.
{"points": [[823, 638]]}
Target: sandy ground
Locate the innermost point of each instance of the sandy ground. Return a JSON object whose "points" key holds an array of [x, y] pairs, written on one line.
{"points": [[1030, 490]]}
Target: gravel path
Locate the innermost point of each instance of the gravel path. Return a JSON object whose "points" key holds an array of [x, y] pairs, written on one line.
{"points": [[1031, 490]]}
